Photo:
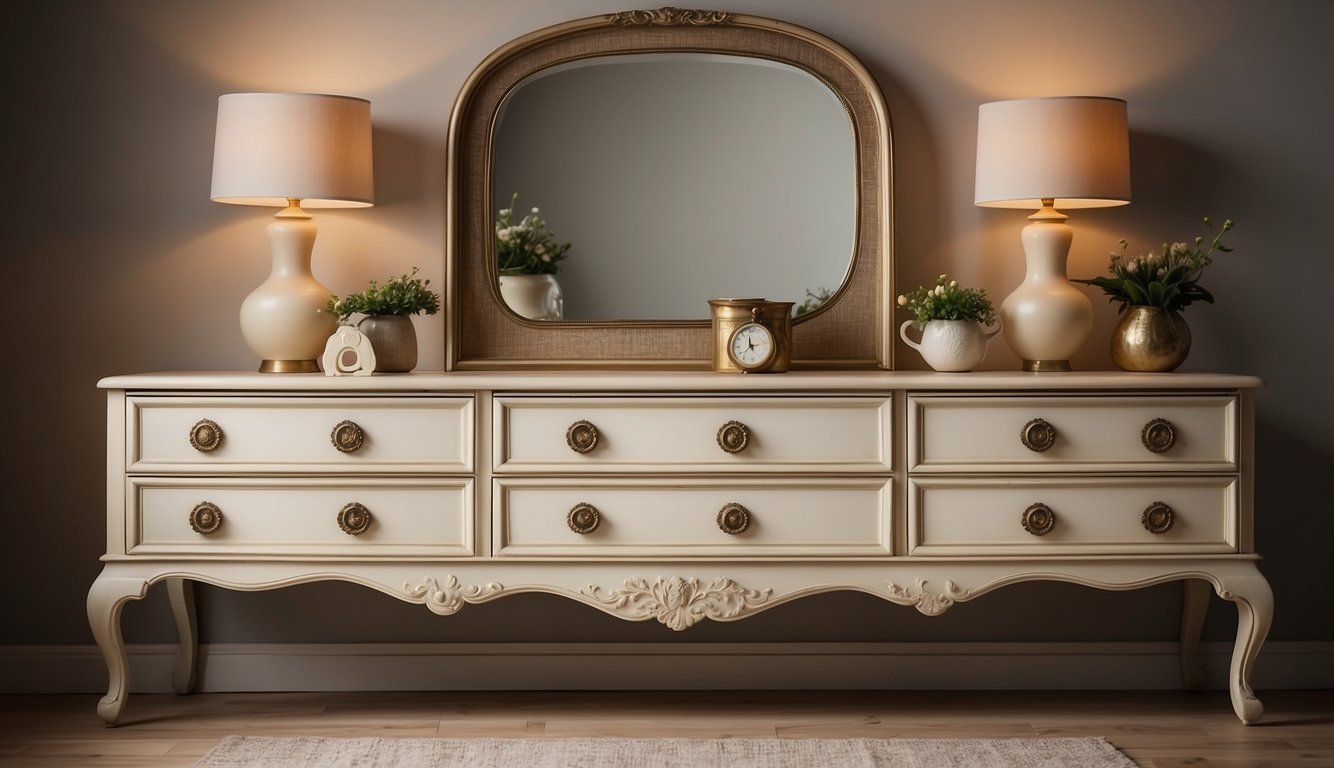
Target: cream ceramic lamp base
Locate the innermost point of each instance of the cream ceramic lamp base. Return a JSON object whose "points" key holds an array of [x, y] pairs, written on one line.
{"points": [[1046, 319], [285, 320]]}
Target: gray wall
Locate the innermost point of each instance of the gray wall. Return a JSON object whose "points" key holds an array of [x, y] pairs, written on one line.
{"points": [[115, 261]]}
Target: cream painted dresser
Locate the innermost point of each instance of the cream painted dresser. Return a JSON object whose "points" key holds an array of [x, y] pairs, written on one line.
{"points": [[683, 496]]}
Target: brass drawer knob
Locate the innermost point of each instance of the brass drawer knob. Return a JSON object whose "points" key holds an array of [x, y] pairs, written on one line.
{"points": [[347, 436], [582, 436], [1037, 435], [1159, 435], [1038, 519], [354, 518], [205, 518], [583, 518], [1158, 518], [733, 519], [205, 436], [733, 437]]}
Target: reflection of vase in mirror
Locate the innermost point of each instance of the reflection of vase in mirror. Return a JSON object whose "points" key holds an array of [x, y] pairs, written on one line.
{"points": [[536, 297], [682, 177]]}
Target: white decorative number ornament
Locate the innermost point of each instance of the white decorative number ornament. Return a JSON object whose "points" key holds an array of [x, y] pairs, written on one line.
{"points": [[348, 353]]}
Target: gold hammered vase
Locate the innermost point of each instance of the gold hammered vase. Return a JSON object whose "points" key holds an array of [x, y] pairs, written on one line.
{"points": [[1150, 339]]}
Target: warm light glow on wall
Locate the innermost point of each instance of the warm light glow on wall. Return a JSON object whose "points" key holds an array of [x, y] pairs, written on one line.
{"points": [[307, 47], [1091, 47]]}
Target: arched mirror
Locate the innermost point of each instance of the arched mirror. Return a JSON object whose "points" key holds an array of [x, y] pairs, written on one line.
{"points": [[684, 156]]}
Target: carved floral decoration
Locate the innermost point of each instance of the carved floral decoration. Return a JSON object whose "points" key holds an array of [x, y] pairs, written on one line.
{"points": [[678, 602], [925, 601], [669, 16], [448, 598]]}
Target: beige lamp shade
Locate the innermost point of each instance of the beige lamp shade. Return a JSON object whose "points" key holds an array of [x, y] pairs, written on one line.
{"points": [[1074, 150], [272, 147]]}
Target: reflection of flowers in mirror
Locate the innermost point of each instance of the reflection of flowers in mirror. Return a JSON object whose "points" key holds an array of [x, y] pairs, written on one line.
{"points": [[947, 300], [813, 301], [525, 246]]}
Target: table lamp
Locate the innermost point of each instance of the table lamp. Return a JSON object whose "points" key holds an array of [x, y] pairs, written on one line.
{"points": [[1044, 154], [289, 150]]}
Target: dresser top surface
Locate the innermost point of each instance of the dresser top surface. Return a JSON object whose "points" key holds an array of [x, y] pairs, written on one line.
{"points": [[678, 381]]}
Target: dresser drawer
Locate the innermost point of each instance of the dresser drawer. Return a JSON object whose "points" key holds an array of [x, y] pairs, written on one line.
{"points": [[654, 434], [685, 518], [960, 433], [300, 517], [1087, 516], [274, 435]]}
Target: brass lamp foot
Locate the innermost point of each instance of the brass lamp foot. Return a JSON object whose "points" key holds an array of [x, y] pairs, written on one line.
{"points": [[288, 366], [1046, 366]]}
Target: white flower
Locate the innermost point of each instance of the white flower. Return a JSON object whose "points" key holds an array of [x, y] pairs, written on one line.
{"points": [[1132, 267], [546, 257], [940, 290], [540, 249], [954, 283], [902, 300], [535, 211]]}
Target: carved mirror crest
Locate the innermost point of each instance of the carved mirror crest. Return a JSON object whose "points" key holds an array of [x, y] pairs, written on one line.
{"points": [[820, 179]]}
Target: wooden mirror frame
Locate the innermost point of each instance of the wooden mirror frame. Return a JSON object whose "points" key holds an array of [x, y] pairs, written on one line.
{"points": [[850, 330]]}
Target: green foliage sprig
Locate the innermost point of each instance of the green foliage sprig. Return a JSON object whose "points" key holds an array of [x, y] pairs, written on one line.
{"points": [[526, 246], [402, 295], [813, 301], [1169, 278], [946, 300]]}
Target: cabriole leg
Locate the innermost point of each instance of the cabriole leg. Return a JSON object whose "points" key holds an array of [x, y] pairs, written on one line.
{"points": [[181, 593], [1255, 612], [106, 599], [1194, 607]]}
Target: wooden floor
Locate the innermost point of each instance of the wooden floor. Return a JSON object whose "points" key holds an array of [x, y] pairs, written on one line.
{"points": [[1158, 729]]}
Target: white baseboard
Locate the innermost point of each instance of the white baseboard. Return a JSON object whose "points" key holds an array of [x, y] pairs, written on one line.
{"points": [[664, 666]]}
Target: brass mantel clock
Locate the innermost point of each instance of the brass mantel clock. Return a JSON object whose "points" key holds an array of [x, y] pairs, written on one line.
{"points": [[751, 335]]}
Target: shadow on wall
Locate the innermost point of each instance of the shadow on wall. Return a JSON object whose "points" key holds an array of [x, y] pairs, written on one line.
{"points": [[1018, 613], [1165, 174], [1294, 522]]}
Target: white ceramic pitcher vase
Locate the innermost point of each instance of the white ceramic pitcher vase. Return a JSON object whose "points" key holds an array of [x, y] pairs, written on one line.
{"points": [[951, 345]]}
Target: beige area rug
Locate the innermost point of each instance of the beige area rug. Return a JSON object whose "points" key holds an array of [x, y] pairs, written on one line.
{"points": [[314, 752]]}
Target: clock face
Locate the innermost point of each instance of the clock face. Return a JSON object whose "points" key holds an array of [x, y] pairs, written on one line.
{"points": [[751, 346]]}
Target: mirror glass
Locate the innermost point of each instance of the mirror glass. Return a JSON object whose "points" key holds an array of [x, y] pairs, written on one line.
{"points": [[681, 177]]}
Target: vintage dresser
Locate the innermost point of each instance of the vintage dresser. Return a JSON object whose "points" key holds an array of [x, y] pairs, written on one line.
{"points": [[604, 463]]}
